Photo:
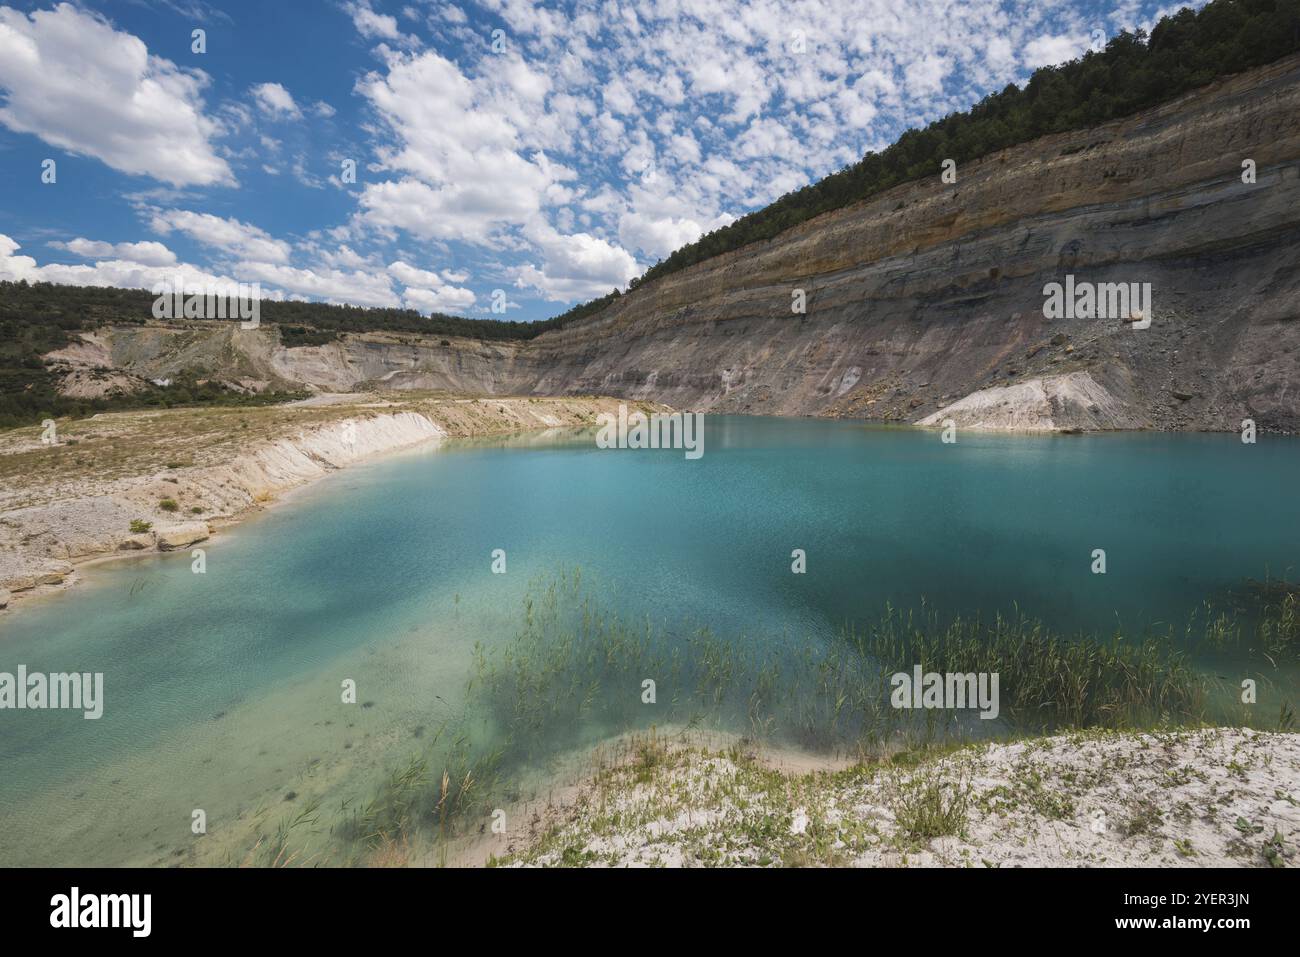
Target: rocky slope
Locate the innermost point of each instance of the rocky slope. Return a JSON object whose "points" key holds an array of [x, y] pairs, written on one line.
{"points": [[932, 292], [927, 302]]}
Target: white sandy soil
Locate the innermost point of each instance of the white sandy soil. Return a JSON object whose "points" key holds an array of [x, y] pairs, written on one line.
{"points": [[1215, 797]]}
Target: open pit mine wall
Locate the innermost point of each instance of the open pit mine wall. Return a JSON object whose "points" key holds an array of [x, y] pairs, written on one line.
{"points": [[932, 292], [926, 302]]}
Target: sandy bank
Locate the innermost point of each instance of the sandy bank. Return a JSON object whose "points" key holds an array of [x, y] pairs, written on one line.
{"points": [[130, 483], [1210, 797]]}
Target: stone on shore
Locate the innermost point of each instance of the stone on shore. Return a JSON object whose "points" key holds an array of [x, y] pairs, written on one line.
{"points": [[54, 573], [134, 543], [179, 536]]}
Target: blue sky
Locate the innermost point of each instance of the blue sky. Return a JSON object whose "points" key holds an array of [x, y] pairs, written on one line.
{"points": [[544, 152]]}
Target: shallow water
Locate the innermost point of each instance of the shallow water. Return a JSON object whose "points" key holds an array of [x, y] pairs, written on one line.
{"points": [[223, 689]]}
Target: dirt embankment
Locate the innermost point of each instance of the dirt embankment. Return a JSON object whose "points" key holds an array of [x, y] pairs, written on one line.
{"points": [[128, 482]]}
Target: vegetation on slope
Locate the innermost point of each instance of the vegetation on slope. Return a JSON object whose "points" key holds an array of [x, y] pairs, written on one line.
{"points": [[38, 319], [1134, 72]]}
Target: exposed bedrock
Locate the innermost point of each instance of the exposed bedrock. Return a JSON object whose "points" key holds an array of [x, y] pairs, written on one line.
{"points": [[932, 293]]}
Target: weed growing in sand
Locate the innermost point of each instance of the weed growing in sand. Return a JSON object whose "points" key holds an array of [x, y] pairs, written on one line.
{"points": [[1141, 817], [930, 805], [1275, 851]]}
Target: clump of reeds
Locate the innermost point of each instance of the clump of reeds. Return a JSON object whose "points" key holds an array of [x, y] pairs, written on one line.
{"points": [[575, 674], [429, 791], [574, 669], [275, 850], [1047, 681]]}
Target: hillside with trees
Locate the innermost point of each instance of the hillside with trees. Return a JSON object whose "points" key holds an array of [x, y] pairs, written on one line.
{"points": [[1184, 51]]}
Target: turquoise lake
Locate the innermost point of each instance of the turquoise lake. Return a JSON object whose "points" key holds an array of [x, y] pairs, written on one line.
{"points": [[222, 690]]}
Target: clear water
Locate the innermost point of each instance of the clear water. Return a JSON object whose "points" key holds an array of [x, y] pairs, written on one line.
{"points": [[223, 690]]}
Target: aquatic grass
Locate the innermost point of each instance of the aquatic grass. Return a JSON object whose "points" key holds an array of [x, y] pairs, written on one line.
{"points": [[1264, 613], [1047, 681], [575, 675], [387, 816], [275, 851], [573, 668], [1280, 630], [421, 794]]}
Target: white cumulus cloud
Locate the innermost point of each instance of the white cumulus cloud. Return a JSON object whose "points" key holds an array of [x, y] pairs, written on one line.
{"points": [[229, 235], [275, 101], [73, 80], [577, 266], [144, 253], [118, 273]]}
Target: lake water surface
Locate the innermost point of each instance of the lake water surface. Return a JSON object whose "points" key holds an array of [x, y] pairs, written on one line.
{"points": [[222, 690]]}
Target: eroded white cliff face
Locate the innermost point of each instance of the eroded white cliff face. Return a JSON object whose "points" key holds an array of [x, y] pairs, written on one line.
{"points": [[302, 458], [38, 543], [187, 472], [924, 295]]}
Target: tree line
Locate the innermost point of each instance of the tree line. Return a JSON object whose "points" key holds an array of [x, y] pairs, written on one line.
{"points": [[39, 318], [1135, 71]]}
